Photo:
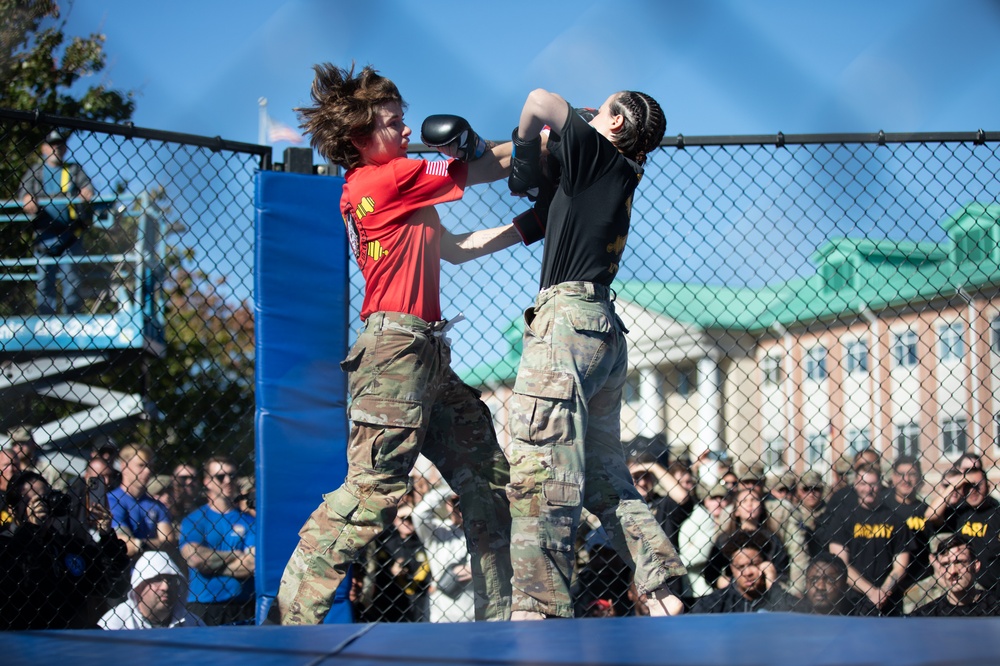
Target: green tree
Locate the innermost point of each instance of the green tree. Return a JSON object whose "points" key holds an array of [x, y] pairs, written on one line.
{"points": [[40, 69], [200, 386]]}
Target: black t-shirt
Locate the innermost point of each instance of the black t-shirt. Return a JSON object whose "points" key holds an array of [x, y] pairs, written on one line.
{"points": [[918, 541], [873, 537], [589, 216], [729, 600], [48, 573], [988, 604], [982, 526]]}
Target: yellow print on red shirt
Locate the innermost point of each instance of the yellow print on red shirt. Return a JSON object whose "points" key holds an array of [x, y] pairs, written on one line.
{"points": [[376, 251], [366, 206]]}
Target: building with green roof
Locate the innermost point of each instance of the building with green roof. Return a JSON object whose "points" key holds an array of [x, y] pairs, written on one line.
{"points": [[889, 343]]}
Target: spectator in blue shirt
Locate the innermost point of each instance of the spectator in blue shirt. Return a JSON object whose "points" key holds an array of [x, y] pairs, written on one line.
{"points": [[141, 522], [218, 541]]}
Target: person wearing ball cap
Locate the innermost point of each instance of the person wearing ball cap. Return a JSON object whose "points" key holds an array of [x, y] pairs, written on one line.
{"points": [[405, 398], [565, 413], [55, 193], [156, 597]]}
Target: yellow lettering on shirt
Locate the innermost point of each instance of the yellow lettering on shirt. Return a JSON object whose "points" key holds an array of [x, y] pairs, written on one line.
{"points": [[376, 251], [916, 523], [974, 529], [366, 206], [877, 531]]}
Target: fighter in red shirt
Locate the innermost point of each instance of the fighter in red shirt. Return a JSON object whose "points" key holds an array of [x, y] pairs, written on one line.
{"points": [[405, 398]]}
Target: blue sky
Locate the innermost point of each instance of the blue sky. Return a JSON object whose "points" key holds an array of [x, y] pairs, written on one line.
{"points": [[717, 67]]}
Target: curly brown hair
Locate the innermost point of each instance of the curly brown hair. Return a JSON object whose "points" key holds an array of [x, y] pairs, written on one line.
{"points": [[644, 125], [344, 110]]}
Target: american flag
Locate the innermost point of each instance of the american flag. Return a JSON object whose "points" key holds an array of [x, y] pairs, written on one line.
{"points": [[437, 168], [279, 131]]}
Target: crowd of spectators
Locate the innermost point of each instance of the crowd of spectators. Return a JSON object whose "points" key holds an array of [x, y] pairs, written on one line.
{"points": [[177, 549], [868, 543], [119, 547]]}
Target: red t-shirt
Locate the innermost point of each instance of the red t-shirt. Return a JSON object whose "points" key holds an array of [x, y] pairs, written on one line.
{"points": [[395, 232]]}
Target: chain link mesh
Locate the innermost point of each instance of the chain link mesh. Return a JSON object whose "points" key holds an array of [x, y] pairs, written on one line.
{"points": [[127, 395], [795, 308]]}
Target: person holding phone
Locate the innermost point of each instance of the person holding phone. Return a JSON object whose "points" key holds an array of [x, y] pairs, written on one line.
{"points": [[53, 571]]}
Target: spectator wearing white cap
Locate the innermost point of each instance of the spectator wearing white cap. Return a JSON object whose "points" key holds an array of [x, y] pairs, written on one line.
{"points": [[156, 597], [707, 522]]}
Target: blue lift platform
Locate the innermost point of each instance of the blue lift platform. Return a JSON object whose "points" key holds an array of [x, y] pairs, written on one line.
{"points": [[45, 355]]}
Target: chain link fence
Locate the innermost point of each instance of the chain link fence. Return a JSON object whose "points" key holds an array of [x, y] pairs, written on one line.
{"points": [[126, 398], [798, 306]]}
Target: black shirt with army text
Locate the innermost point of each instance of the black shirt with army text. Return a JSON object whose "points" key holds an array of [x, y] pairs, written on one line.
{"points": [[981, 525], [590, 212], [873, 537]]}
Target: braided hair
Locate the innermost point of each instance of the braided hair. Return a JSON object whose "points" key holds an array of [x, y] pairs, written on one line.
{"points": [[644, 124]]}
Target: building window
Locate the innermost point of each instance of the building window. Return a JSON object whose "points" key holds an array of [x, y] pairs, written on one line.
{"points": [[904, 348], [816, 447], [631, 390], [816, 363], [685, 381], [857, 357], [908, 439], [774, 453], [954, 439], [857, 440], [770, 369], [951, 345]]}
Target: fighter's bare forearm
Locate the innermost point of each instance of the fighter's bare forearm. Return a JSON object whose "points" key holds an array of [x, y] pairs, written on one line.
{"points": [[459, 248]]}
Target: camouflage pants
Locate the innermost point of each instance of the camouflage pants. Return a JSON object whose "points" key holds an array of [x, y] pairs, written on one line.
{"points": [[406, 400], [567, 451]]}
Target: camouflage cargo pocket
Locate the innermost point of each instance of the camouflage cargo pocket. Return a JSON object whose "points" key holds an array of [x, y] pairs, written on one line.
{"points": [[543, 407], [389, 412]]}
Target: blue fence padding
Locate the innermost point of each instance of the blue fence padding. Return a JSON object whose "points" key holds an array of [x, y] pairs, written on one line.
{"points": [[301, 310]]}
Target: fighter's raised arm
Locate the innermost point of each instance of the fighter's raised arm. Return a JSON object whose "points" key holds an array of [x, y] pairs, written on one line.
{"points": [[540, 109]]}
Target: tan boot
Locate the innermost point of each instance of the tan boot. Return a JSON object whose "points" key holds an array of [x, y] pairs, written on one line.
{"points": [[663, 602]]}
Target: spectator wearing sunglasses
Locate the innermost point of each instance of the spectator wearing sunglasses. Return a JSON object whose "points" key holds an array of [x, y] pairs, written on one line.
{"points": [[218, 541], [187, 490]]}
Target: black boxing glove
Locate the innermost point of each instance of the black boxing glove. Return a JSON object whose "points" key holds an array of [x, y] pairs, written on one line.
{"points": [[452, 136], [525, 166]]}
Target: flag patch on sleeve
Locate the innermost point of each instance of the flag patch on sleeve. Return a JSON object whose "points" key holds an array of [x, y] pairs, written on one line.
{"points": [[437, 168]]}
